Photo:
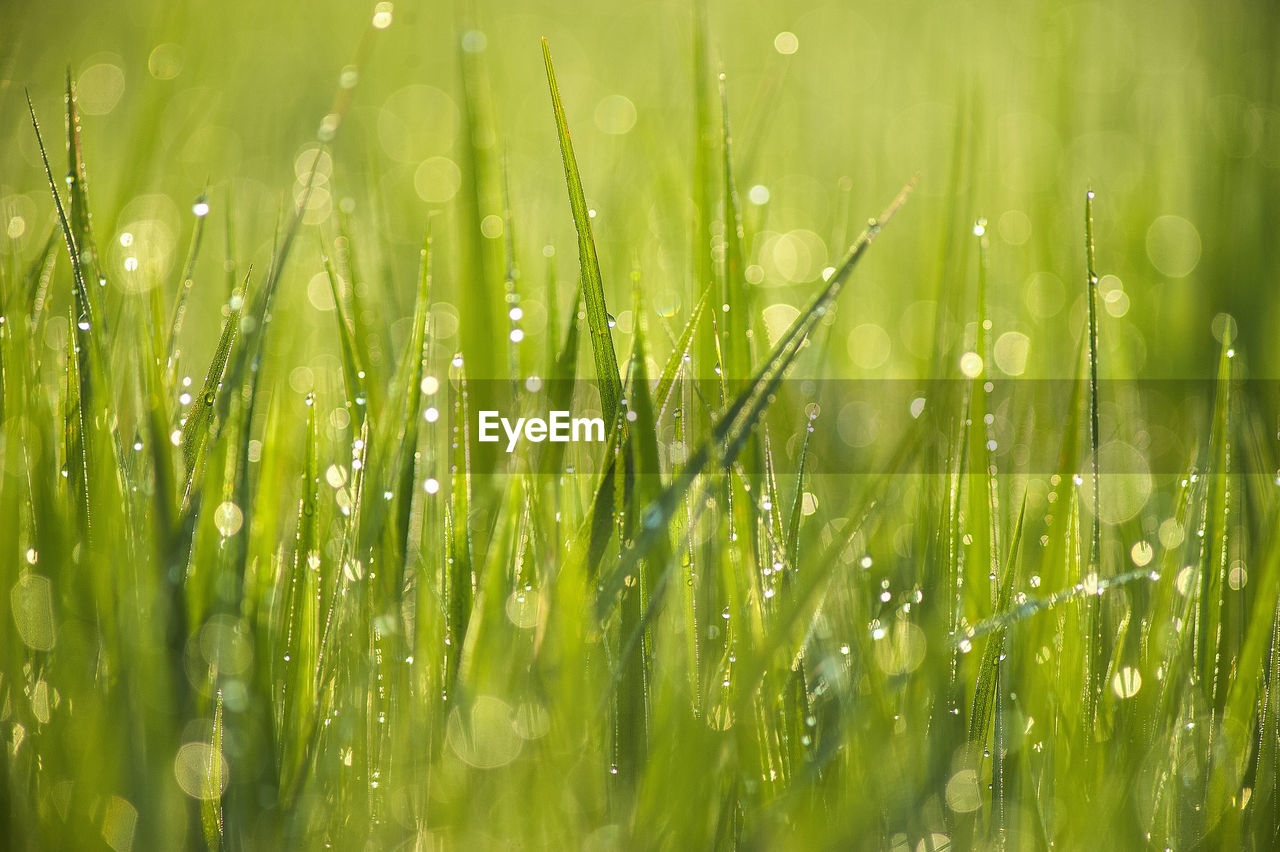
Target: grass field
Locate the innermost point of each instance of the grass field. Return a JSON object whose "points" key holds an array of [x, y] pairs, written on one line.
{"points": [[933, 344]]}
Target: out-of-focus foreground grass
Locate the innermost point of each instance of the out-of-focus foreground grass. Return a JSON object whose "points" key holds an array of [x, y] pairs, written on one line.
{"points": [[263, 588]]}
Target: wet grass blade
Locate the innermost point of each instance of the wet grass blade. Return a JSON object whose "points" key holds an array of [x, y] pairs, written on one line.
{"points": [[643, 596], [184, 289], [1094, 624], [732, 429], [353, 370], [458, 581], [195, 431], [406, 465], [737, 305], [564, 372], [78, 194], [86, 320], [299, 617], [596, 528], [703, 179], [984, 688], [355, 308], [678, 357], [606, 359], [797, 503], [211, 798], [37, 283]]}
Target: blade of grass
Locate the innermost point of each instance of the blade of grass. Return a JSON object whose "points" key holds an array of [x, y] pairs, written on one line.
{"points": [[184, 290], [1094, 628], [196, 428], [211, 798], [78, 194], [737, 298], [353, 371], [300, 620], [607, 375], [734, 426]]}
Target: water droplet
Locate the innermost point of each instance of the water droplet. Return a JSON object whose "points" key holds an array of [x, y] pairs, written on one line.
{"points": [[228, 518], [1141, 554], [1127, 682]]}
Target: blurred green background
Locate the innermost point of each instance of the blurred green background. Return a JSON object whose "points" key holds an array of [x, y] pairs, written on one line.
{"points": [[1008, 112], [1005, 113]]}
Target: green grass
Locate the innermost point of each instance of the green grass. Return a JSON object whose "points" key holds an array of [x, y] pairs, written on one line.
{"points": [[836, 578]]}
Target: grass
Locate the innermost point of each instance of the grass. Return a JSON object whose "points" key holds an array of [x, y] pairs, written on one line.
{"points": [[266, 589]]}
